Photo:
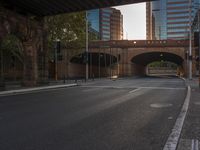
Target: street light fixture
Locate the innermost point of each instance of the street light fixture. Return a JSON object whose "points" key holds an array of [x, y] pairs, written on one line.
{"points": [[56, 50], [199, 43], [86, 49], [190, 41]]}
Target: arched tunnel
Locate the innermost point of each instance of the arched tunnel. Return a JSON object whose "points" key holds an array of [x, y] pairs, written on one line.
{"points": [[142, 60], [100, 64], [102, 59], [106, 65]]}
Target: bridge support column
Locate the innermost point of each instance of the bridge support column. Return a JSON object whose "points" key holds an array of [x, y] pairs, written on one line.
{"points": [[32, 36], [35, 52]]}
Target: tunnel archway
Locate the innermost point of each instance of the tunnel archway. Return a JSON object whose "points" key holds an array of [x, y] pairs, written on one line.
{"points": [[102, 59], [142, 60]]}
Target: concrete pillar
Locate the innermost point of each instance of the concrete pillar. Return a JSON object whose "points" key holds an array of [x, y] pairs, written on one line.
{"points": [[32, 34]]}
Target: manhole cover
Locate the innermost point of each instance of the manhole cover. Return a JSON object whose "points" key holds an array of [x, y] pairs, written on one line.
{"points": [[160, 105]]}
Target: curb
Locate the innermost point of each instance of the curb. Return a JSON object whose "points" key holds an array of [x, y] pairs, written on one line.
{"points": [[174, 136], [29, 90]]}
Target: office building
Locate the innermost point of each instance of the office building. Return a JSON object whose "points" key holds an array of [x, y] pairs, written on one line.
{"points": [[169, 19], [107, 23]]}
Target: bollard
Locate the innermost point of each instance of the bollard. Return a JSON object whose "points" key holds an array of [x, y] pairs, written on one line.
{"points": [[64, 81], [92, 77], [199, 81]]}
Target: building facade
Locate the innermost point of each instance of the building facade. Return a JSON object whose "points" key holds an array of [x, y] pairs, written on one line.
{"points": [[107, 23], [169, 19]]}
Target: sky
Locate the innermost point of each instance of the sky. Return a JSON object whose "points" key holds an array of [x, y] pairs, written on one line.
{"points": [[134, 22]]}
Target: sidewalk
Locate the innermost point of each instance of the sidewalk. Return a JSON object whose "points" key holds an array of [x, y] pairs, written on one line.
{"points": [[190, 135], [13, 89], [29, 90]]}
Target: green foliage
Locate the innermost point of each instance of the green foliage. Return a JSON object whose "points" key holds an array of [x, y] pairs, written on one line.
{"points": [[11, 46], [68, 28]]}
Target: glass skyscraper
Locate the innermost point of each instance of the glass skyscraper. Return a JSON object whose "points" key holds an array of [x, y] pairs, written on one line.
{"points": [[107, 23], [169, 19], [93, 19]]}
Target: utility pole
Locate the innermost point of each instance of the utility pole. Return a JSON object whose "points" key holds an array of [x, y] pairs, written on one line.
{"points": [[190, 41], [199, 44], [56, 49], [1, 57], [99, 64], [86, 49]]}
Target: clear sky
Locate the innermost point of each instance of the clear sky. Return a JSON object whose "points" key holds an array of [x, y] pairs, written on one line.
{"points": [[134, 21]]}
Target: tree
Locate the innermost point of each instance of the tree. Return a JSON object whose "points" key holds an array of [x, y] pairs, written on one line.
{"points": [[68, 28], [11, 51]]}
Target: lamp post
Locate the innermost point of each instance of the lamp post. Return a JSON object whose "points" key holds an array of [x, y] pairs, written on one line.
{"points": [[56, 50], [190, 42], [199, 44], [86, 49], [1, 57]]}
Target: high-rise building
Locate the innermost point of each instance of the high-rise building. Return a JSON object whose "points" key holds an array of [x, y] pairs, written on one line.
{"points": [[107, 23], [116, 27], [169, 19], [94, 21]]}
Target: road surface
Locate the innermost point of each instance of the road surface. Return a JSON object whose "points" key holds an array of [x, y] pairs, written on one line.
{"points": [[126, 114]]}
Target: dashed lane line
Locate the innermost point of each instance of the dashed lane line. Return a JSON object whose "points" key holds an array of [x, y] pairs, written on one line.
{"points": [[135, 87], [134, 90]]}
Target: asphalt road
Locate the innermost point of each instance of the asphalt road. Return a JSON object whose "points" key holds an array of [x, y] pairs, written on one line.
{"points": [[126, 114]]}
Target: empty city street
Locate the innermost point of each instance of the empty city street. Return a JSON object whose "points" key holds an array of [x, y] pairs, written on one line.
{"points": [[121, 114]]}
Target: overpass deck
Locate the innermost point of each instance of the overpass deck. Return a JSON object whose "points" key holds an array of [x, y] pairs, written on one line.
{"points": [[53, 7]]}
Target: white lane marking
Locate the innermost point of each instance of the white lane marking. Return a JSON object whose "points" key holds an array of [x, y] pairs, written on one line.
{"points": [[139, 87], [195, 144], [134, 90], [35, 89], [163, 88], [92, 89], [173, 138], [161, 105], [170, 118], [197, 103]]}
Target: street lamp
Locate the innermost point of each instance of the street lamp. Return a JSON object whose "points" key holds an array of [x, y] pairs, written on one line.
{"points": [[86, 49], [199, 43], [190, 41], [56, 50]]}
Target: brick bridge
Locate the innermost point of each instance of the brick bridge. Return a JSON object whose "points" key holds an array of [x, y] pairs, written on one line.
{"points": [[25, 19], [130, 57]]}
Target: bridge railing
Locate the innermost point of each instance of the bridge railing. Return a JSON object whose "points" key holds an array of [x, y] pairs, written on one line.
{"points": [[138, 43]]}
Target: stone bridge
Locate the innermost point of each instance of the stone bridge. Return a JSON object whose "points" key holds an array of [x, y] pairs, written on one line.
{"points": [[25, 19], [128, 58]]}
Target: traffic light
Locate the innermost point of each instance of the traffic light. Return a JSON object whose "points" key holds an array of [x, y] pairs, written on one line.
{"points": [[196, 38], [58, 46], [85, 58]]}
